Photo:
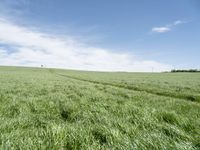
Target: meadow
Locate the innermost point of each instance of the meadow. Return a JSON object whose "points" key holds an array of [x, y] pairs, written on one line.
{"points": [[55, 109]]}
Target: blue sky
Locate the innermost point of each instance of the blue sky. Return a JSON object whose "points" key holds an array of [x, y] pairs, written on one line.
{"points": [[114, 35]]}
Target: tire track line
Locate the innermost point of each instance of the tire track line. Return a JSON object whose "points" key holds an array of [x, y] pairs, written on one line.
{"points": [[130, 88]]}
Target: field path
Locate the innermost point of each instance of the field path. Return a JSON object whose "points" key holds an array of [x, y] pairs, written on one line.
{"points": [[188, 98]]}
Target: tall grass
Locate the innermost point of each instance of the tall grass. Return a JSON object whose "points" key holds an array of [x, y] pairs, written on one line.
{"points": [[43, 110]]}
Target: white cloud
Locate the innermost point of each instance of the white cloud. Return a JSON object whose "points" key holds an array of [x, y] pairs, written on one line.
{"points": [[33, 48], [167, 27], [161, 29]]}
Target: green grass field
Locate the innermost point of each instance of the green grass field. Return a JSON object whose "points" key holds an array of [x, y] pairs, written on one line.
{"points": [[64, 109]]}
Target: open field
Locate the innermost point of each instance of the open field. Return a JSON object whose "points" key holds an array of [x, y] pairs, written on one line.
{"points": [[64, 109]]}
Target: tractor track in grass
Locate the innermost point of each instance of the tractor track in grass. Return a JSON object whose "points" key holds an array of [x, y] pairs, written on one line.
{"points": [[188, 98]]}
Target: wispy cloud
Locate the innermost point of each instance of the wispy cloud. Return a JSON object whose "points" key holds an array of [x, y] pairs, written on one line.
{"points": [[161, 29], [31, 47], [178, 22], [167, 27]]}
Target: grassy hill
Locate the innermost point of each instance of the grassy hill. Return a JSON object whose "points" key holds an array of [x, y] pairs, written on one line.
{"points": [[64, 109]]}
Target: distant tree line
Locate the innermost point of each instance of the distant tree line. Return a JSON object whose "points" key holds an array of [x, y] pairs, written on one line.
{"points": [[185, 70]]}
